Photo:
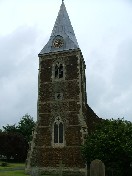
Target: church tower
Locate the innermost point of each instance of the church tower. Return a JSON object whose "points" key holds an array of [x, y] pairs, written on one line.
{"points": [[61, 123]]}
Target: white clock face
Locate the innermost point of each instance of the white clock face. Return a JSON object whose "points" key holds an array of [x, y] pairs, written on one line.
{"points": [[58, 42]]}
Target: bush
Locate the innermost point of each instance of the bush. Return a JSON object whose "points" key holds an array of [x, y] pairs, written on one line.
{"points": [[4, 164]]}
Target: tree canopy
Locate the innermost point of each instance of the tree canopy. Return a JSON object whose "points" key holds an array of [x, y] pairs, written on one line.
{"points": [[10, 128], [13, 145], [111, 142], [25, 127], [14, 139]]}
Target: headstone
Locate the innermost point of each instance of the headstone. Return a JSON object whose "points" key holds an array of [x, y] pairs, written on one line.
{"points": [[86, 169], [97, 168], [35, 172]]}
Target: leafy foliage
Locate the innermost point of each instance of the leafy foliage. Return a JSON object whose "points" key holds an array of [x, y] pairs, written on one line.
{"points": [[13, 145], [25, 127], [15, 138], [10, 128], [111, 142]]}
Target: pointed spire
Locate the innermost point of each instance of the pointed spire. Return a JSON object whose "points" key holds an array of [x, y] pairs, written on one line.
{"points": [[63, 29]]}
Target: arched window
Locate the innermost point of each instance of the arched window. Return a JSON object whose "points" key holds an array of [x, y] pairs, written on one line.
{"points": [[58, 70], [58, 131]]}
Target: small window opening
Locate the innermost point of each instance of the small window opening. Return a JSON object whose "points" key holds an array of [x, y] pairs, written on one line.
{"points": [[58, 96]]}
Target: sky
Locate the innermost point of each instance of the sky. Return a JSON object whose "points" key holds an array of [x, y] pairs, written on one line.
{"points": [[103, 29]]}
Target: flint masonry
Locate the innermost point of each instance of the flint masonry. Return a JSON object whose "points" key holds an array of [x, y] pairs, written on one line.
{"points": [[64, 117]]}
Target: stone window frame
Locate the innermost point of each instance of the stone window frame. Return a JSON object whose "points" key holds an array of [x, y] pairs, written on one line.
{"points": [[59, 62], [56, 145]]}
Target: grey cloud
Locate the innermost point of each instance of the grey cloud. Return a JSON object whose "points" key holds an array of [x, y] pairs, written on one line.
{"points": [[18, 75], [109, 83], [123, 66]]}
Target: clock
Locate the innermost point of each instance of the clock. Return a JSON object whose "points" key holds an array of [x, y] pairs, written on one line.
{"points": [[58, 42]]}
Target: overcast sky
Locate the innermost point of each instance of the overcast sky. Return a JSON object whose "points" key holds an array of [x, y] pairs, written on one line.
{"points": [[104, 32]]}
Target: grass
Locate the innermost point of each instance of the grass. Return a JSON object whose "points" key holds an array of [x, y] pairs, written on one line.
{"points": [[15, 173], [12, 165], [12, 173]]}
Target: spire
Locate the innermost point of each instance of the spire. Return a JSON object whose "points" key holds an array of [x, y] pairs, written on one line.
{"points": [[63, 30]]}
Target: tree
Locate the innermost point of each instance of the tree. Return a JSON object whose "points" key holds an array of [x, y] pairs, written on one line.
{"points": [[14, 138], [26, 126], [112, 143], [10, 128], [13, 145]]}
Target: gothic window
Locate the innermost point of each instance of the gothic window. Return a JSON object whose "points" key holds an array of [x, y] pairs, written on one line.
{"points": [[58, 131], [58, 70]]}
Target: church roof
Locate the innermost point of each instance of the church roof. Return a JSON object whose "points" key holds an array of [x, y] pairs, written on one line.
{"points": [[92, 119], [62, 30]]}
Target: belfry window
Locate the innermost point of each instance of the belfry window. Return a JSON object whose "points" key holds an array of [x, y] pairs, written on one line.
{"points": [[58, 131], [58, 70]]}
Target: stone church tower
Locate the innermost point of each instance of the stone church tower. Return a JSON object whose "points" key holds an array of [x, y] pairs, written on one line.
{"points": [[62, 103]]}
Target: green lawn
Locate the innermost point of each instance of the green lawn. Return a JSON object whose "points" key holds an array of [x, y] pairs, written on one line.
{"points": [[13, 165], [13, 173]]}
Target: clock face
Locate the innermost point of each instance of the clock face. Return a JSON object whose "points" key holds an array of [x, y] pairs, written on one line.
{"points": [[58, 42]]}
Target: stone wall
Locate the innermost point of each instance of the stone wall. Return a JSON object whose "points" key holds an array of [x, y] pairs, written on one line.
{"points": [[71, 108], [49, 157]]}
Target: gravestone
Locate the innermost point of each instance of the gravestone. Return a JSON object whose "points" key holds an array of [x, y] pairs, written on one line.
{"points": [[97, 168], [35, 172]]}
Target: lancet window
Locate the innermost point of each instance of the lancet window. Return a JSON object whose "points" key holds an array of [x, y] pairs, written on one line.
{"points": [[58, 131]]}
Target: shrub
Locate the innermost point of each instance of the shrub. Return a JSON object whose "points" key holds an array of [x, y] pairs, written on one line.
{"points": [[4, 164]]}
